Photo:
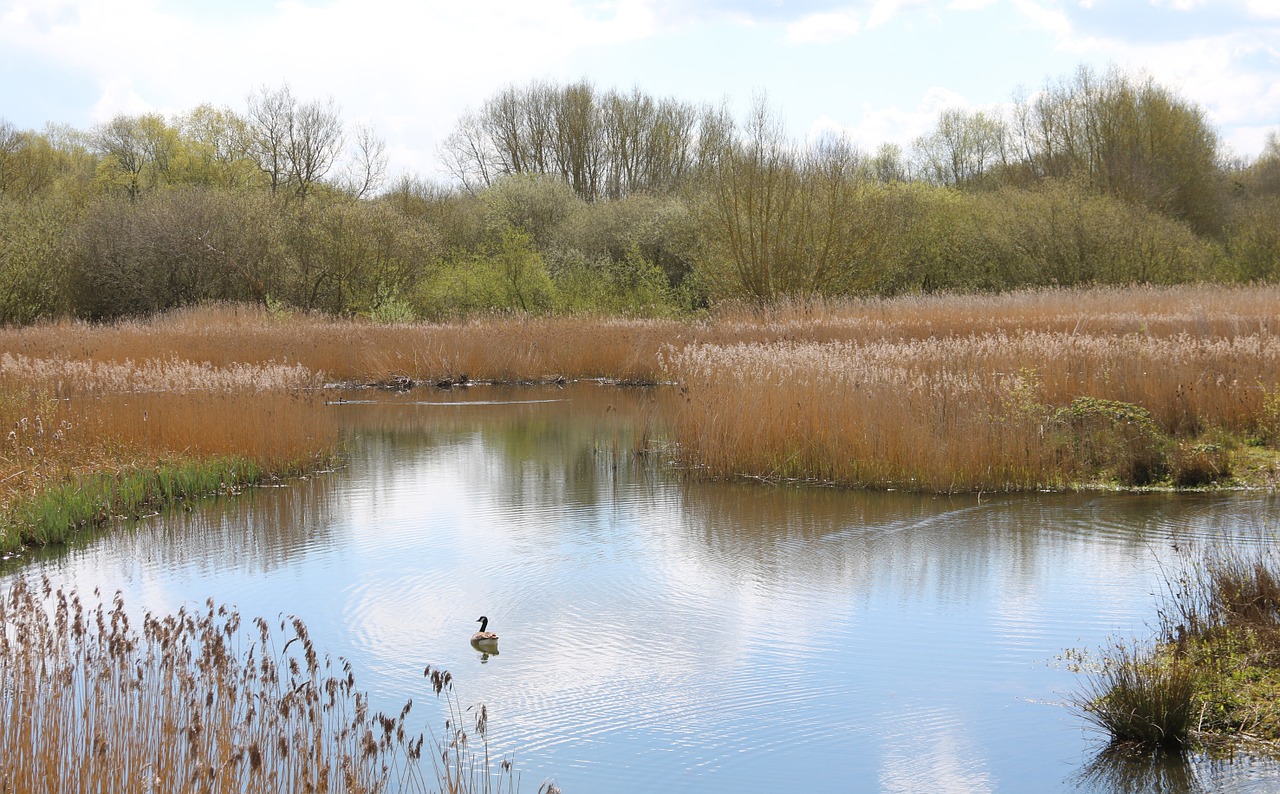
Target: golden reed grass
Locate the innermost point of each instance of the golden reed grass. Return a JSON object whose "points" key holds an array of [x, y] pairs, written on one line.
{"points": [[519, 348], [937, 392], [66, 422], [191, 702], [947, 394], [956, 413]]}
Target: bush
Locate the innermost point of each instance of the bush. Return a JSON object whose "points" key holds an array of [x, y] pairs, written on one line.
{"points": [[355, 257], [1193, 465], [506, 275], [172, 249], [32, 272], [1062, 234], [1115, 437], [540, 206], [1253, 240]]}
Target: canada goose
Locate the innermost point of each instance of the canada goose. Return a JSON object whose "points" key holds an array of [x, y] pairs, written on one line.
{"points": [[482, 635]]}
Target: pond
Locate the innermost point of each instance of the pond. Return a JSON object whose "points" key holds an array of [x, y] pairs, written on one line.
{"points": [[661, 634]]}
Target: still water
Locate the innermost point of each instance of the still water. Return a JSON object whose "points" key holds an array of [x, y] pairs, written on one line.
{"points": [[663, 635]]}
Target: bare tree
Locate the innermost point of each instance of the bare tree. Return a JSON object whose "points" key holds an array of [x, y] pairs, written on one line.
{"points": [[467, 154], [602, 145], [294, 144], [368, 167], [314, 144], [270, 122], [962, 148]]}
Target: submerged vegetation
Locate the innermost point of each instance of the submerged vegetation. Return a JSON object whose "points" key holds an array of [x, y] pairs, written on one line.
{"points": [[192, 702], [1212, 676]]}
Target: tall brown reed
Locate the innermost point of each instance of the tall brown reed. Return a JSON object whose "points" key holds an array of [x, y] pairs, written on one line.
{"points": [[192, 702], [940, 392], [68, 422], [953, 411], [514, 347]]}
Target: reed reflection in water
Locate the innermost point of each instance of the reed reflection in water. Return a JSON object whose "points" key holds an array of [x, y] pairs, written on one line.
{"points": [[659, 634]]}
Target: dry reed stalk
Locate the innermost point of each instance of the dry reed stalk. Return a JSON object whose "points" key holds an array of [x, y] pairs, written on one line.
{"points": [[224, 338], [1195, 357], [958, 412], [193, 703], [518, 348], [51, 441]]}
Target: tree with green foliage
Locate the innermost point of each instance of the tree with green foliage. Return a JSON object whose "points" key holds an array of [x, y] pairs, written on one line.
{"points": [[138, 152], [1130, 138]]}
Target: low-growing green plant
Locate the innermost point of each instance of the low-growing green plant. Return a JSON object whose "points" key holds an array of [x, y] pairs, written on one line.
{"points": [[1214, 672], [1140, 697], [53, 515]]}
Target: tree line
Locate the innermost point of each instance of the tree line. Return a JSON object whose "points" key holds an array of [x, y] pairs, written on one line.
{"points": [[568, 198]]}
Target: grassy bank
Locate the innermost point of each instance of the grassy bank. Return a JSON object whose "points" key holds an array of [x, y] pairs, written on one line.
{"points": [[86, 440], [1213, 673], [191, 702]]}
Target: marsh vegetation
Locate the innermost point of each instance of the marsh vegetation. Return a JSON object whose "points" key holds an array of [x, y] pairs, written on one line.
{"points": [[569, 198], [1074, 294], [1026, 390], [194, 701], [1211, 677]]}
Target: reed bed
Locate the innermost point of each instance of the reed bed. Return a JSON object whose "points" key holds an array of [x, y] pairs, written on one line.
{"points": [[194, 703], [497, 348], [934, 393], [983, 411], [86, 441], [524, 348]]}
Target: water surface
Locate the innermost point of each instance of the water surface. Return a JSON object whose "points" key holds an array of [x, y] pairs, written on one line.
{"points": [[663, 635]]}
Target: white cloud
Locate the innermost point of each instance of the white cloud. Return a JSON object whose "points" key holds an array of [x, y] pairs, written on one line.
{"points": [[1047, 17], [822, 28], [1265, 9], [402, 64], [884, 10], [411, 68], [118, 96], [893, 124], [970, 5]]}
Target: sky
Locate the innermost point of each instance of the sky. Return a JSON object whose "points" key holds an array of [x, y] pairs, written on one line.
{"points": [[878, 70]]}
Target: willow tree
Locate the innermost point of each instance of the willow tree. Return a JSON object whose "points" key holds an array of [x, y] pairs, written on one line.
{"points": [[1130, 138], [781, 220]]}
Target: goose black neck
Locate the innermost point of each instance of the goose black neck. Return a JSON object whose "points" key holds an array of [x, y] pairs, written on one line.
{"points": [[484, 623]]}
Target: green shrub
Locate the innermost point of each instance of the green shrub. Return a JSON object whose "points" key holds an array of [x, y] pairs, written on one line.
{"points": [[506, 275], [1192, 465], [1108, 436], [32, 255]]}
